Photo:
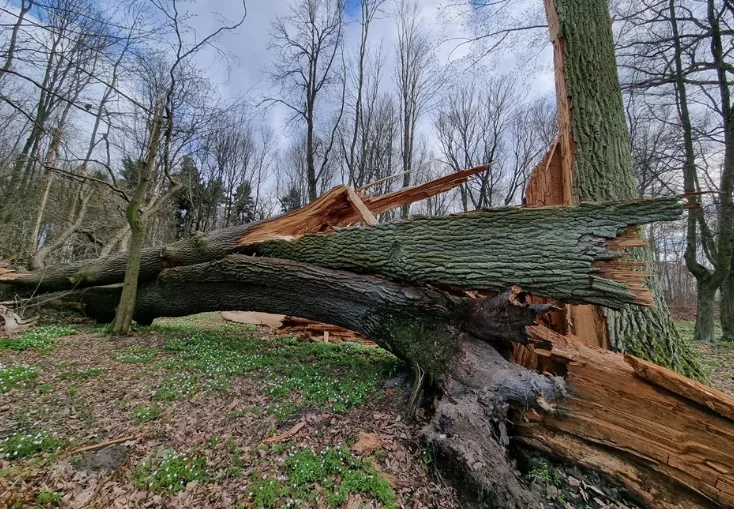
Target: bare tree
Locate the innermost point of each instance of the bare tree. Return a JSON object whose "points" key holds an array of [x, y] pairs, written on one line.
{"points": [[9, 55], [680, 49], [308, 44], [416, 79], [477, 126], [161, 122], [368, 10]]}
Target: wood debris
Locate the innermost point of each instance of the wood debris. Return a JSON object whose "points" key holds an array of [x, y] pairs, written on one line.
{"points": [[650, 428], [311, 330], [283, 437]]}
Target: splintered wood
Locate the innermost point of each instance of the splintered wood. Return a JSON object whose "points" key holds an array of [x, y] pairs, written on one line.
{"points": [[413, 194], [626, 269], [651, 429], [342, 206], [548, 184], [318, 331]]}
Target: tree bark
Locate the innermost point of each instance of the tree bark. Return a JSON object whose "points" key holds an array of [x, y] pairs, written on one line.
{"points": [[137, 221], [446, 335], [596, 165], [706, 294], [727, 310], [553, 252], [571, 254], [330, 210]]}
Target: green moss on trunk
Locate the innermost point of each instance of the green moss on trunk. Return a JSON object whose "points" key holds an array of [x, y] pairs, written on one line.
{"points": [[603, 170]]}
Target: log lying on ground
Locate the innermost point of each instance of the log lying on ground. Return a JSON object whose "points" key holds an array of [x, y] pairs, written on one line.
{"points": [[669, 440], [571, 254], [335, 208]]}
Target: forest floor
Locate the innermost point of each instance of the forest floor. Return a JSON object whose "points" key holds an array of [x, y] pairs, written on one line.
{"points": [[199, 412], [718, 359], [206, 413]]}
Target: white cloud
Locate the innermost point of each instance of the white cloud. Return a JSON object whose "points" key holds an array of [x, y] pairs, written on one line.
{"points": [[250, 56]]}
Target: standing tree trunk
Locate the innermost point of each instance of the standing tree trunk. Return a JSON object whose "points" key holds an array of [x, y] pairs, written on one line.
{"points": [[126, 308], [727, 309], [596, 165]]}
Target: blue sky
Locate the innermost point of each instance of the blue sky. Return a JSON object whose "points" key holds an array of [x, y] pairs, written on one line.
{"points": [[352, 7]]}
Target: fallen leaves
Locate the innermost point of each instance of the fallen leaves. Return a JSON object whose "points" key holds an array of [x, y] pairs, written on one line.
{"points": [[100, 409], [367, 443]]}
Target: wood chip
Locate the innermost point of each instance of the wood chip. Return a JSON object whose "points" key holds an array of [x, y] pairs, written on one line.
{"points": [[287, 435]]}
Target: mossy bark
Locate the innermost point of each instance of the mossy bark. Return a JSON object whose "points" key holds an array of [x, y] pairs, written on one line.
{"points": [[727, 309], [552, 252], [556, 251], [602, 169], [705, 318]]}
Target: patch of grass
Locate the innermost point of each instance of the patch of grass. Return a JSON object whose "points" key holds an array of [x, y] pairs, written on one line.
{"points": [[170, 471], [49, 498], [24, 444], [295, 374], [143, 413], [322, 389], [204, 322], [45, 388], [16, 376], [81, 373], [266, 493], [544, 473], [40, 339], [136, 354], [237, 463], [331, 476], [686, 329], [176, 387], [283, 410]]}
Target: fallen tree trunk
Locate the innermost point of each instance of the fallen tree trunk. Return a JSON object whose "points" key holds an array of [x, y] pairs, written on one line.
{"points": [[338, 207], [669, 440], [571, 254], [445, 335], [568, 253]]}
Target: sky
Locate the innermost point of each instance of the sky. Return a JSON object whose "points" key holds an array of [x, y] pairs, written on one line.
{"points": [[243, 73], [245, 70]]}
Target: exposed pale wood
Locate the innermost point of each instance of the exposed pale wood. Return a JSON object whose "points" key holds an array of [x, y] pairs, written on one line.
{"points": [[253, 318], [360, 208], [695, 391], [319, 331], [329, 210], [626, 269], [336, 208], [657, 493], [563, 105], [408, 195], [546, 184], [380, 181], [667, 429]]}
